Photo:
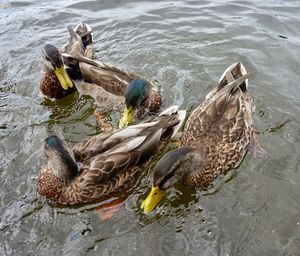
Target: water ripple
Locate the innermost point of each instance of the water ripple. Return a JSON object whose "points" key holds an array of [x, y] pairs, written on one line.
{"points": [[185, 45]]}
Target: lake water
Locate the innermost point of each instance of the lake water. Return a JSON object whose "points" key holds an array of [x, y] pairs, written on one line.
{"points": [[186, 46]]}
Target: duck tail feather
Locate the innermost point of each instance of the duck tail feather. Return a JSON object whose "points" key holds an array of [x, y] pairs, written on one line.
{"points": [[233, 72], [83, 29], [181, 114], [169, 111], [181, 118]]}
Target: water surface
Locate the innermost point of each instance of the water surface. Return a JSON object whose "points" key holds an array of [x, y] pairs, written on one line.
{"points": [[186, 46]]}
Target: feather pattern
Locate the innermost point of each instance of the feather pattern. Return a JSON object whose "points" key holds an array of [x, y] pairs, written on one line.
{"points": [[221, 128], [112, 80], [109, 162]]}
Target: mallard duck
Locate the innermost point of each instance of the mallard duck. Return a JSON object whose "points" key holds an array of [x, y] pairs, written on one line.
{"points": [[111, 86], [55, 82], [103, 164], [216, 138], [107, 84]]}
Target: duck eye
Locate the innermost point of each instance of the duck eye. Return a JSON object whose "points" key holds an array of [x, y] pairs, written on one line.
{"points": [[155, 193]]}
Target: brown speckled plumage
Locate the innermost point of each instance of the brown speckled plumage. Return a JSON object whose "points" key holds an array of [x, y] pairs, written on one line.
{"points": [[51, 88], [216, 136], [220, 130], [110, 161], [153, 101]]}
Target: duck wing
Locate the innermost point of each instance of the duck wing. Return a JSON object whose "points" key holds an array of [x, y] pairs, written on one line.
{"points": [[113, 152], [223, 117], [112, 79]]}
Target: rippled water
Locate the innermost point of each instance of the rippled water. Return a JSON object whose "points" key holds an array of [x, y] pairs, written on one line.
{"points": [[186, 45]]}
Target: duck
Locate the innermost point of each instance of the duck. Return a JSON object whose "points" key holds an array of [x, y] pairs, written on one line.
{"points": [[215, 139], [55, 81], [106, 84], [104, 164]]}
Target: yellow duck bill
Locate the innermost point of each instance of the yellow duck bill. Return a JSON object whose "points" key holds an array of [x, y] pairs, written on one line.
{"points": [[152, 200], [127, 117], [63, 78]]}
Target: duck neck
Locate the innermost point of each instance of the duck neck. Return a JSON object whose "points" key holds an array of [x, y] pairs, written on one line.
{"points": [[63, 165]]}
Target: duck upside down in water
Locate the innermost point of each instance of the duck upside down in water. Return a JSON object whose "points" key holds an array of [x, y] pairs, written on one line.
{"points": [[216, 138], [107, 84], [110, 161]]}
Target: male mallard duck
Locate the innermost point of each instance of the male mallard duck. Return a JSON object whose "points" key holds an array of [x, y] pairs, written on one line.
{"points": [[215, 139], [55, 82], [110, 86], [103, 164], [103, 82]]}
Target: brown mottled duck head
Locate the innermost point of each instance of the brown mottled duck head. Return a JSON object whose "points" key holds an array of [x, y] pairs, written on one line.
{"points": [[169, 170], [60, 170], [52, 60]]}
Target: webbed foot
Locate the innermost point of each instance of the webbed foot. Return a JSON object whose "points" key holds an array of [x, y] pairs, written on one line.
{"points": [[100, 119]]}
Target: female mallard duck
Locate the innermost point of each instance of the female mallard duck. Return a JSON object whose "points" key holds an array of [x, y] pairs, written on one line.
{"points": [[105, 83], [215, 139], [55, 82], [104, 164]]}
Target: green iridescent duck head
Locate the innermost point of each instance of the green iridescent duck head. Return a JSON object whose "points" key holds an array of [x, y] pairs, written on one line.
{"points": [[135, 94]]}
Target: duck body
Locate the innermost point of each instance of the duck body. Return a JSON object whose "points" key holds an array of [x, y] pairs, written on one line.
{"points": [[102, 82], [50, 86], [220, 129], [108, 85], [215, 139], [55, 81], [103, 164]]}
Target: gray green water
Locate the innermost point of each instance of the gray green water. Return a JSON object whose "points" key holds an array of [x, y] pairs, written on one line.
{"points": [[186, 45]]}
